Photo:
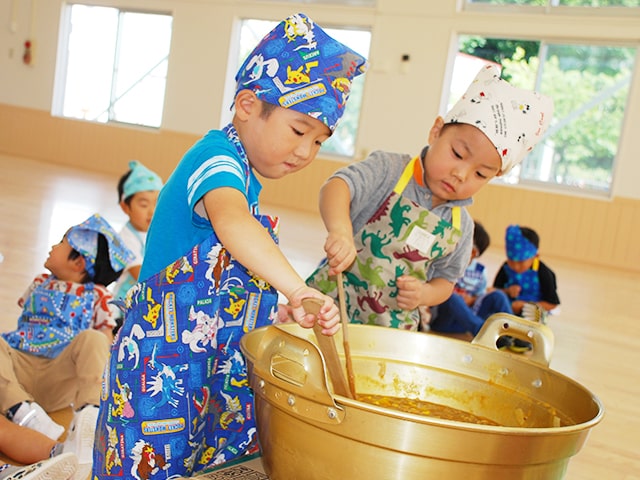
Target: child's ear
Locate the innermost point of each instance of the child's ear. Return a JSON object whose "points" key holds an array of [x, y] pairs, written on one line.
{"points": [[79, 264], [125, 207], [246, 103], [436, 129]]}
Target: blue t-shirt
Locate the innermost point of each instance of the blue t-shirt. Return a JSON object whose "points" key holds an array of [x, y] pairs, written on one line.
{"points": [[179, 221]]}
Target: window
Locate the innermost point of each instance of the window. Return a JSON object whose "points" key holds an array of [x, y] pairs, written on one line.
{"points": [[589, 85], [558, 3], [343, 140], [112, 65]]}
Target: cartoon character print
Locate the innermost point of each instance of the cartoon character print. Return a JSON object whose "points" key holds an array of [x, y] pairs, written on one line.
{"points": [[129, 346], [179, 266], [233, 369], [298, 27], [167, 385], [122, 401], [112, 458], [204, 332], [219, 261], [146, 461]]}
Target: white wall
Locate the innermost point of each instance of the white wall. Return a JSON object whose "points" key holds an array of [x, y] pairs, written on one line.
{"points": [[398, 107]]}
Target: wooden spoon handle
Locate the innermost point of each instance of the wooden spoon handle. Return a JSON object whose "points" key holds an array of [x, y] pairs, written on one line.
{"points": [[329, 351], [345, 336]]}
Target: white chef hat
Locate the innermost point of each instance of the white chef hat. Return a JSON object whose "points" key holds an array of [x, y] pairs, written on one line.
{"points": [[514, 119]]}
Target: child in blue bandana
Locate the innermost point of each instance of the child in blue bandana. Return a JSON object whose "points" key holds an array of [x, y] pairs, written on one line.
{"points": [[138, 191], [56, 355], [177, 396], [527, 281], [523, 276]]}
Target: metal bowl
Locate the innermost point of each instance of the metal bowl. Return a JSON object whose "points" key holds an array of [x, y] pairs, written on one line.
{"points": [[306, 432]]}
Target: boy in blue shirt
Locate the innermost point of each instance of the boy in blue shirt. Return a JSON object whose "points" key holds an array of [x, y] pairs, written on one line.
{"points": [[177, 396]]}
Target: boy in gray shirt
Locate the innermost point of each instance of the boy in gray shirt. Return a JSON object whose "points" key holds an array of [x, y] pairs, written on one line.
{"points": [[397, 227]]}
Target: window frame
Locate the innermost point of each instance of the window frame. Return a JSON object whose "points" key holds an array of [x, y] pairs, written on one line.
{"points": [[545, 41], [62, 65]]}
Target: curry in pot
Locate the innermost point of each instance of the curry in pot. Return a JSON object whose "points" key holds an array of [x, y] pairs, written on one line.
{"points": [[420, 407]]}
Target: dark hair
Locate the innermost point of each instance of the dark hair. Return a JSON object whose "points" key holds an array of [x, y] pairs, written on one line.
{"points": [[104, 274], [267, 109], [121, 182], [481, 237], [531, 235]]}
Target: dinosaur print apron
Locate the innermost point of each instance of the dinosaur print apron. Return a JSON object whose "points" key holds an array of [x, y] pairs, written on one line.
{"points": [[401, 238], [176, 396]]}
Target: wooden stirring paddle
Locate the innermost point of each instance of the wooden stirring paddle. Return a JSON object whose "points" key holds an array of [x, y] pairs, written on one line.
{"points": [[345, 336], [327, 346]]}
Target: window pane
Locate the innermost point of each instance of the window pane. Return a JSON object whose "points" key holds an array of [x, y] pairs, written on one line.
{"points": [[90, 62], [116, 65], [140, 76], [589, 85], [342, 142], [564, 3]]}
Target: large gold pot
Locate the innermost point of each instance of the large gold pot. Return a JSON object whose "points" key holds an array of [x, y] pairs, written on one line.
{"points": [[306, 432]]}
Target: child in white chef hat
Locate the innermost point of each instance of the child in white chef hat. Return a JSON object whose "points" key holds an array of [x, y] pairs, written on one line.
{"points": [[397, 225]]}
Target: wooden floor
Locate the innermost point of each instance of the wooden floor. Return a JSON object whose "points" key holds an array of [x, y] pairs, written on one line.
{"points": [[597, 333]]}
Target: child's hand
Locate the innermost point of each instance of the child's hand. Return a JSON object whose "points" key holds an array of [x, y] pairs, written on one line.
{"points": [[340, 250], [513, 291], [328, 318], [409, 292], [285, 315]]}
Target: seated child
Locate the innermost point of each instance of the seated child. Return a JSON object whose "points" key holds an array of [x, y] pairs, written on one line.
{"points": [[40, 457], [177, 388], [397, 226], [138, 191], [525, 279], [523, 276], [56, 356], [470, 304]]}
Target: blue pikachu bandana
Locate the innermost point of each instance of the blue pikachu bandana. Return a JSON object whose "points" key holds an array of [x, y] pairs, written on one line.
{"points": [[519, 248], [84, 239], [141, 179], [298, 66]]}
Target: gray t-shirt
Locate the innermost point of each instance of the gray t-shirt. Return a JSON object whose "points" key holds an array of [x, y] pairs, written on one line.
{"points": [[372, 181]]}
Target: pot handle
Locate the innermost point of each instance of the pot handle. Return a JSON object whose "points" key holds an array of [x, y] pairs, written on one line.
{"points": [[293, 370], [500, 324]]}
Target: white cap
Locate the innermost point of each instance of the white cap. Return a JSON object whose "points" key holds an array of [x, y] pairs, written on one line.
{"points": [[514, 119]]}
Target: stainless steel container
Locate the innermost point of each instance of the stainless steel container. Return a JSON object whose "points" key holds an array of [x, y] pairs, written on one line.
{"points": [[306, 432]]}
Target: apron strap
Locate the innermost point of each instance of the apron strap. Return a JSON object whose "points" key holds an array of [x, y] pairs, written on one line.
{"points": [[455, 217], [407, 173], [405, 177]]}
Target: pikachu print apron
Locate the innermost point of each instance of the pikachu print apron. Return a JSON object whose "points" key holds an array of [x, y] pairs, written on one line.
{"points": [[401, 238], [176, 396]]}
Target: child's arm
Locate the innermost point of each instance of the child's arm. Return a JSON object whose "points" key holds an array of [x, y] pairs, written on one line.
{"points": [[413, 293], [250, 243], [340, 248]]}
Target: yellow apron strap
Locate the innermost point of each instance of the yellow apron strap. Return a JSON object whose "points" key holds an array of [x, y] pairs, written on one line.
{"points": [[455, 217], [404, 180], [536, 264], [405, 177]]}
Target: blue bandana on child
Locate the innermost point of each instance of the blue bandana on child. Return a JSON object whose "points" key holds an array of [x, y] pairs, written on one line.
{"points": [[84, 239], [141, 179], [298, 66], [519, 248]]}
